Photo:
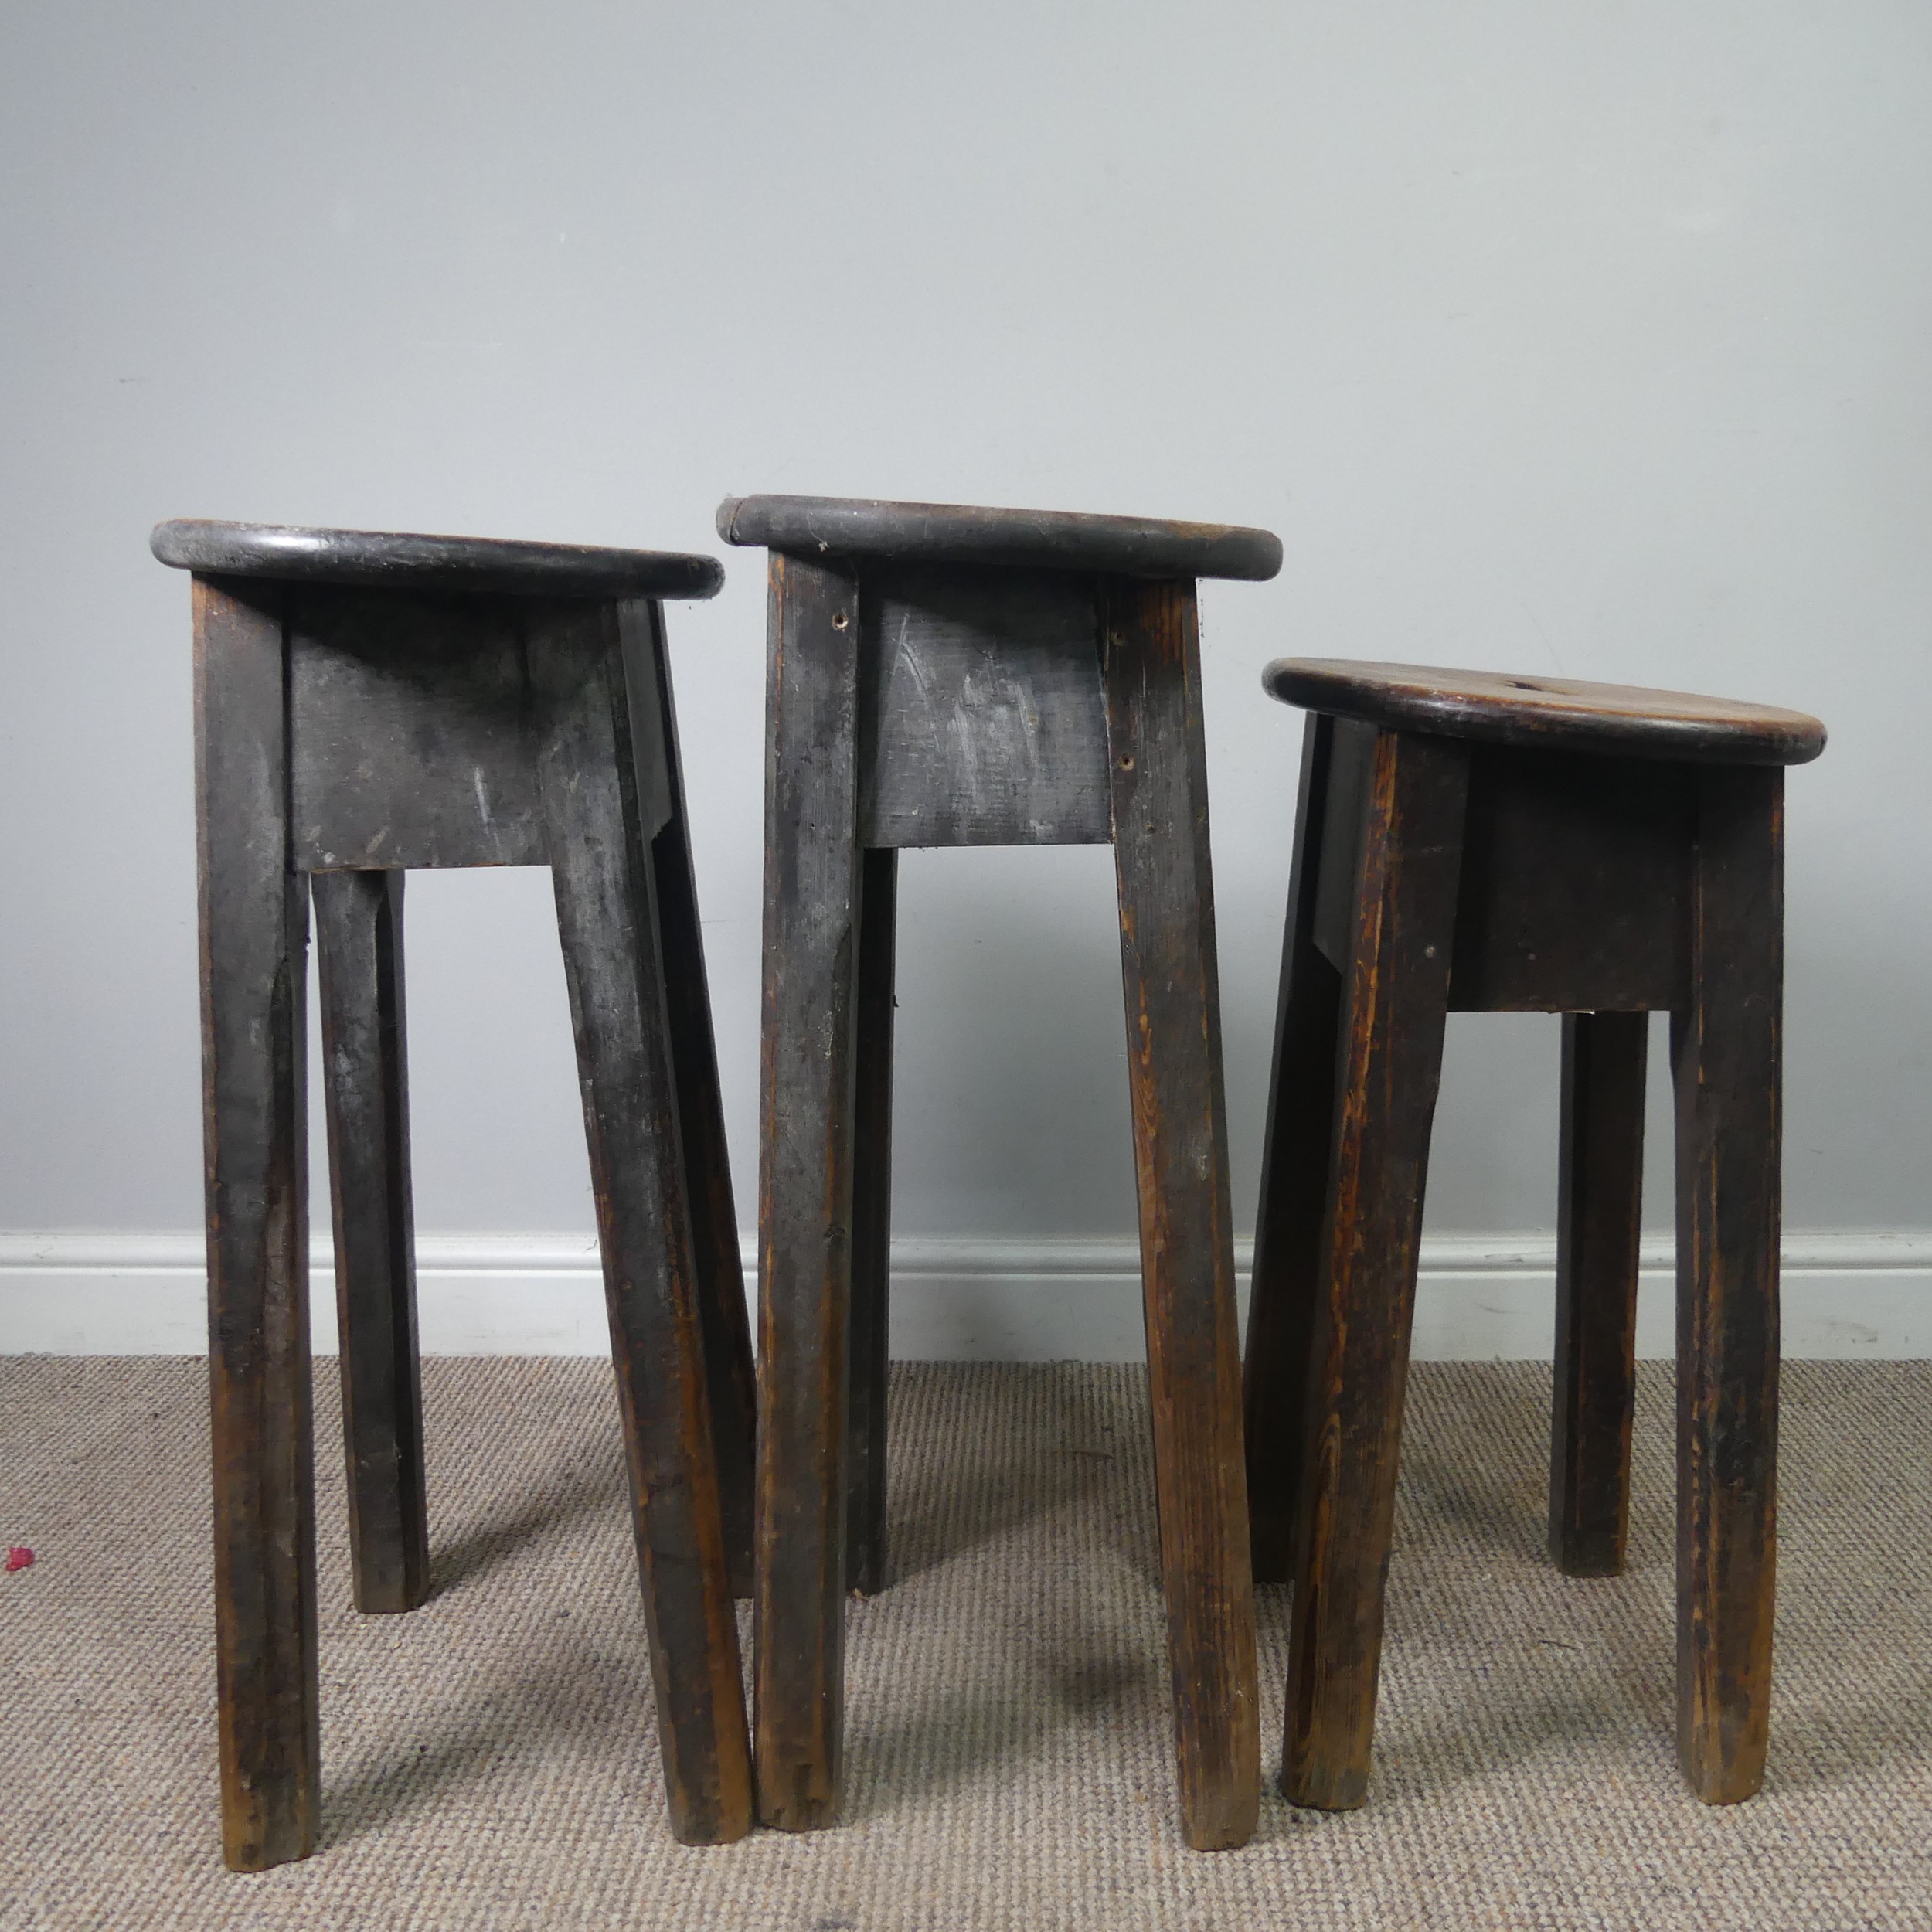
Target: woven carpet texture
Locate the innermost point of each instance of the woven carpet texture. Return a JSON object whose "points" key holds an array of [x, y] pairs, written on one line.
{"points": [[490, 1761]]}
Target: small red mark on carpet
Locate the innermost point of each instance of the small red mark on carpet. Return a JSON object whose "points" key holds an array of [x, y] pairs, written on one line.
{"points": [[18, 1557]]}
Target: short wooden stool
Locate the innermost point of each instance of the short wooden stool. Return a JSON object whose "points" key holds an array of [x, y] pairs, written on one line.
{"points": [[364, 704], [1495, 844], [947, 676]]}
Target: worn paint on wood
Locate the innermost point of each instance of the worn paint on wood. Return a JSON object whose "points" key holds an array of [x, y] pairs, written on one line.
{"points": [[410, 726], [983, 722]]}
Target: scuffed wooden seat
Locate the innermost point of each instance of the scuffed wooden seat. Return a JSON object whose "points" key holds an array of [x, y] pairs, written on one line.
{"points": [[1558, 714], [294, 554], [960, 533]]}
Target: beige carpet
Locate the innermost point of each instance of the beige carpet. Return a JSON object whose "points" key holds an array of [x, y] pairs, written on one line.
{"points": [[489, 1761]]}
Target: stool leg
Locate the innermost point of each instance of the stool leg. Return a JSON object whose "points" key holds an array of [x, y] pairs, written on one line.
{"points": [[1159, 783], [872, 1215], [358, 953], [1726, 1053], [607, 922], [1298, 1151], [813, 889], [707, 1162], [254, 946], [1599, 1221], [1397, 997]]}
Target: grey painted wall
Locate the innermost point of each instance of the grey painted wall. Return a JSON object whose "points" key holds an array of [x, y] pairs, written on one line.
{"points": [[1590, 339]]}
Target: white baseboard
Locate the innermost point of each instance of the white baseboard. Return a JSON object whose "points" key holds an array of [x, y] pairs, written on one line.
{"points": [[1864, 1295]]}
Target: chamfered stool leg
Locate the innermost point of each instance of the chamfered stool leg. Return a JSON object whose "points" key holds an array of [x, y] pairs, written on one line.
{"points": [[872, 1206], [707, 1160], [1298, 1151], [1726, 1054], [358, 955], [813, 898], [1599, 1225], [254, 944], [608, 923], [1187, 1246], [1397, 994]]}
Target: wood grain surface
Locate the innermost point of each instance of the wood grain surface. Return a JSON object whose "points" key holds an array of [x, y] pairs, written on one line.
{"points": [[1559, 713], [707, 1160], [254, 951], [871, 1195], [1158, 764], [400, 560], [409, 729], [1395, 1003], [1576, 884], [358, 952], [983, 722], [1726, 1055], [1600, 1189], [807, 1070], [606, 918], [1455, 866], [965, 533], [1297, 1152]]}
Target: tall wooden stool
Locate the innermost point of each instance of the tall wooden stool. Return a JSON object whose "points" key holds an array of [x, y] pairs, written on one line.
{"points": [[1493, 844], [364, 704], [947, 676]]}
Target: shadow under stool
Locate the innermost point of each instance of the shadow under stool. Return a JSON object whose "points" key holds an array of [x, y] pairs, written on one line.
{"points": [[365, 704], [1475, 843], [941, 675]]}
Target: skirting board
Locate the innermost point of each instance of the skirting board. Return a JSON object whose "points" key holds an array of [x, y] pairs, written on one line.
{"points": [[1861, 1295]]}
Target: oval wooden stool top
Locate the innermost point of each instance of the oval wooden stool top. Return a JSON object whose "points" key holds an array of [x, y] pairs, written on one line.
{"points": [[403, 561], [958, 533], [1557, 713]]}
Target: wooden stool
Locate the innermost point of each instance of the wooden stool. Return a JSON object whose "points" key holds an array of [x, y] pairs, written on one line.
{"points": [[945, 676], [1494, 844], [364, 704]]}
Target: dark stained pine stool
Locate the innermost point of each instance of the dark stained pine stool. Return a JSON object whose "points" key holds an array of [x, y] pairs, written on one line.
{"points": [[947, 676], [364, 704], [1480, 843]]}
